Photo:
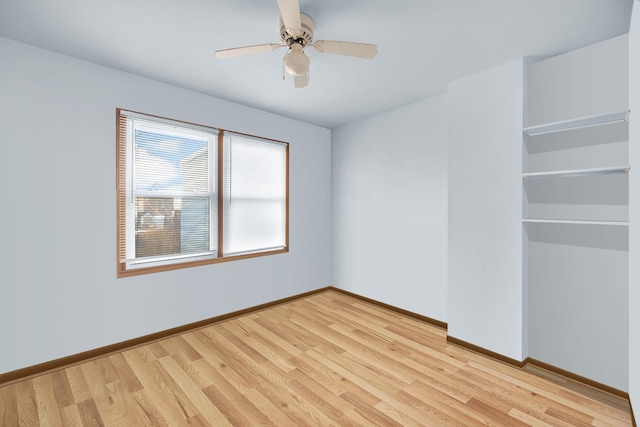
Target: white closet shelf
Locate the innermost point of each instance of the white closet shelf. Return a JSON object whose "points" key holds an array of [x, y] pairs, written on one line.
{"points": [[578, 222], [579, 172], [580, 122]]}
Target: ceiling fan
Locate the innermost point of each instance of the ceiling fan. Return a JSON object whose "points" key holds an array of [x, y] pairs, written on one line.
{"points": [[296, 33]]}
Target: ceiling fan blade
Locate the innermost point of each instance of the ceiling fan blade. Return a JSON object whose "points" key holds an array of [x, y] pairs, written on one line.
{"points": [[301, 81], [290, 12], [360, 50], [237, 51]]}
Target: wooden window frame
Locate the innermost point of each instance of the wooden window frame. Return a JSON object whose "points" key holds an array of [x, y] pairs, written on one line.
{"points": [[121, 206]]}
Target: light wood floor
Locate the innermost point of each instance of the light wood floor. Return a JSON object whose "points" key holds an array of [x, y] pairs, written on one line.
{"points": [[327, 359]]}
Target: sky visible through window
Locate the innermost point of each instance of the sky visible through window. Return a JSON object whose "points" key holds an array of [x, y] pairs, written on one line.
{"points": [[160, 160]]}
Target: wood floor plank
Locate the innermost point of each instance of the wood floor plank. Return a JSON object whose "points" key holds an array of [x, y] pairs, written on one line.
{"points": [[568, 385], [128, 377], [128, 413], [209, 412], [528, 419], [300, 326], [211, 361], [456, 413], [499, 416], [280, 327], [378, 356], [101, 391], [148, 410], [400, 416], [224, 361], [89, 413], [237, 341], [293, 405], [273, 413], [197, 376], [359, 375], [278, 343], [62, 389], [160, 397], [187, 406], [26, 402], [369, 412], [158, 350], [441, 380], [168, 346], [497, 396], [48, 408], [78, 383], [8, 406], [233, 414], [328, 359], [71, 416], [319, 373], [589, 407], [377, 384], [185, 348], [328, 403], [267, 349]]}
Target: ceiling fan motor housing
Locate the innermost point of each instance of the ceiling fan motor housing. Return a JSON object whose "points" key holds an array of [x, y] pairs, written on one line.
{"points": [[305, 38]]}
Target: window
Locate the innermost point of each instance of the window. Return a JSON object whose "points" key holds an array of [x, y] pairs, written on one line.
{"points": [[190, 195]]}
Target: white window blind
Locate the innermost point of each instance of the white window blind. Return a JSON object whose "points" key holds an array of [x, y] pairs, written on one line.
{"points": [[255, 195], [171, 192]]}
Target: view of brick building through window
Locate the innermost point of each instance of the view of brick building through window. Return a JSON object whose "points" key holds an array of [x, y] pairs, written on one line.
{"points": [[158, 227]]}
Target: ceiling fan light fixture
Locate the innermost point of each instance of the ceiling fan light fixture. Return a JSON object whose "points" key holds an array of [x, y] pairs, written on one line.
{"points": [[296, 62], [296, 33]]}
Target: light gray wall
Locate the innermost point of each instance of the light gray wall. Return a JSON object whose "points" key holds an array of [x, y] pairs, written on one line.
{"points": [[486, 294], [634, 209], [59, 293], [556, 86], [578, 274], [578, 318], [389, 207]]}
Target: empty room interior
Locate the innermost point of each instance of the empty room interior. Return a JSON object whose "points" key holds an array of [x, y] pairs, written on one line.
{"points": [[305, 212]]}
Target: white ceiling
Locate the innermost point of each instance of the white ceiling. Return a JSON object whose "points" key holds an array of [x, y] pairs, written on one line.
{"points": [[422, 44]]}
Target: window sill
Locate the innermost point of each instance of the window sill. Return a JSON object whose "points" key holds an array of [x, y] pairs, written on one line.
{"points": [[123, 272]]}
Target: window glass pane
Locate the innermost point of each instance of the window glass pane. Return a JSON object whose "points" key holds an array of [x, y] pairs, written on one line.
{"points": [[174, 204], [257, 169], [157, 227], [168, 161], [254, 195], [169, 226], [194, 225], [254, 225]]}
